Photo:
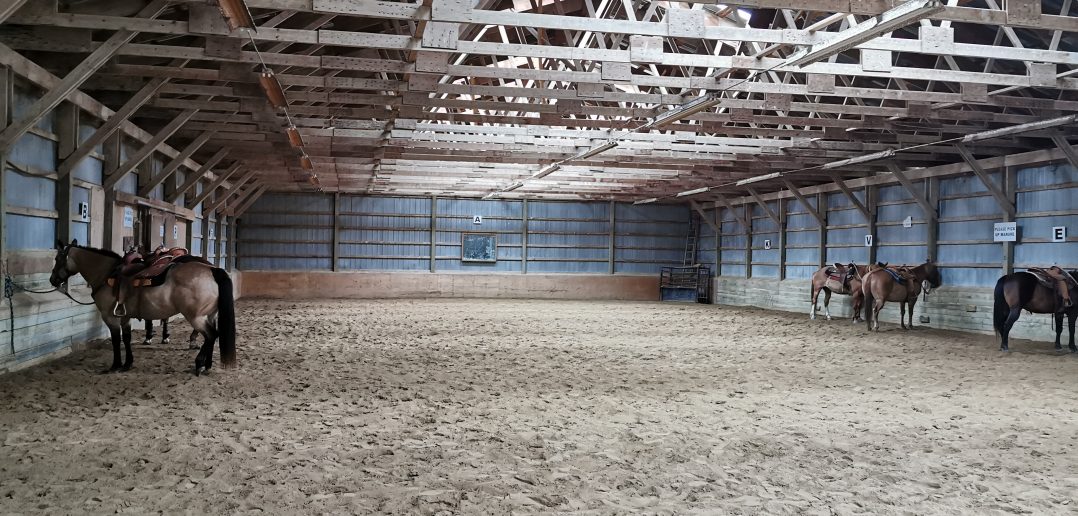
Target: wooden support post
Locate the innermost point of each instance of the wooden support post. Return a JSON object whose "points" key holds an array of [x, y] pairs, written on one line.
{"points": [[72, 159], [217, 245], [434, 233], [928, 209], [191, 148], [195, 176], [9, 8], [233, 236], [808, 207], [76, 77], [524, 236], [782, 238], [67, 129], [748, 240], [1005, 204], [335, 265], [148, 149], [111, 151], [870, 200], [208, 190], [821, 206], [1068, 150], [206, 234], [932, 187], [1010, 183], [718, 241], [612, 250], [6, 84]]}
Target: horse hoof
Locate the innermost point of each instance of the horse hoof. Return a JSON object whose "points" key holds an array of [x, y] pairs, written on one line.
{"points": [[147, 342], [199, 370], [1074, 349], [126, 368], [111, 370], [828, 317], [1005, 350], [166, 340]]}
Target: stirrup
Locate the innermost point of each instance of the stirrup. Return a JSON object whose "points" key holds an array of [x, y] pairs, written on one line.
{"points": [[119, 310]]}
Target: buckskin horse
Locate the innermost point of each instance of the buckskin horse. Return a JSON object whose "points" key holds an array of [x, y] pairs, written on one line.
{"points": [[882, 283], [1022, 290], [201, 293], [838, 279]]}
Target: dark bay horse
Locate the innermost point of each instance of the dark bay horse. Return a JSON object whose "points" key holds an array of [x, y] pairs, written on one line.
{"points": [[202, 293], [1022, 290], [838, 279], [880, 285]]}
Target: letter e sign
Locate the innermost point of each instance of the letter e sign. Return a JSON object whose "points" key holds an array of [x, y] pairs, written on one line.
{"points": [[1059, 234]]}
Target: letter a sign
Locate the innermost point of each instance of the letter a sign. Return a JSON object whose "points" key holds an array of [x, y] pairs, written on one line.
{"points": [[478, 219]]}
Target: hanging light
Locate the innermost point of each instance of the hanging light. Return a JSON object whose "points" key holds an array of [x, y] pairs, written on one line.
{"points": [[272, 87], [306, 163], [294, 137], [236, 14]]}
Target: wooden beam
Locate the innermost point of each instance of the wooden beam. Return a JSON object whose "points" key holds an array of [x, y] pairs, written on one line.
{"points": [[804, 202], [251, 200], [148, 148], [767, 210], [73, 158], [1005, 204], [524, 236], [334, 265], [6, 99], [853, 199], [9, 8], [75, 77], [721, 199], [612, 247], [195, 176], [67, 128], [928, 209], [1068, 150], [175, 163], [213, 186], [433, 233], [703, 215]]}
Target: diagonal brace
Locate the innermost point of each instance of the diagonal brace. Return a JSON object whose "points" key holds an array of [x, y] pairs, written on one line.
{"points": [[1001, 198], [195, 176], [930, 211], [804, 202], [171, 167]]}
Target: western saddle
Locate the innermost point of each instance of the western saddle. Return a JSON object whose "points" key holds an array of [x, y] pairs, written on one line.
{"points": [[135, 271], [1057, 280]]}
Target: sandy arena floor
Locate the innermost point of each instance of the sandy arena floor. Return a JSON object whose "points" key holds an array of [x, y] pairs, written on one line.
{"points": [[484, 406]]}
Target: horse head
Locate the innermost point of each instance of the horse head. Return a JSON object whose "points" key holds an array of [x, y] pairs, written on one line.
{"points": [[63, 268]]}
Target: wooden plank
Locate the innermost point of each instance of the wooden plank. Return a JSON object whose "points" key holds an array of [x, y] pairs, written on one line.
{"points": [[334, 265], [433, 233], [1005, 204], [251, 200], [524, 236], [928, 209], [6, 98], [612, 239], [147, 149], [197, 175], [804, 202], [208, 190], [67, 128], [721, 199], [1068, 150], [703, 216], [135, 200], [853, 199], [767, 211], [175, 163]]}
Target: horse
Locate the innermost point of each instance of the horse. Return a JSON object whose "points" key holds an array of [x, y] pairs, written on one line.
{"points": [[165, 337], [1022, 290], [880, 284], [823, 280], [202, 293]]}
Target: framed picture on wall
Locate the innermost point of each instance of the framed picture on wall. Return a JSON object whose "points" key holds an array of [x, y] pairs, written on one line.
{"points": [[479, 247]]}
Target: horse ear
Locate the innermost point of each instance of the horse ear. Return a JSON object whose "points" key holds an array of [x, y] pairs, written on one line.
{"points": [[839, 265], [74, 241], [59, 244]]}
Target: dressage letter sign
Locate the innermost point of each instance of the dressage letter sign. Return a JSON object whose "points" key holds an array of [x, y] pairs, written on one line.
{"points": [[1059, 233], [1005, 232]]}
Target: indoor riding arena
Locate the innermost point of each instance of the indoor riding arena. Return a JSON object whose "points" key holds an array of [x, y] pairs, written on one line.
{"points": [[538, 256]]}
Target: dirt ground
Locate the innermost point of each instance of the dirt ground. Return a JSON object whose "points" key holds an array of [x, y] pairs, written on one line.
{"points": [[492, 406]]}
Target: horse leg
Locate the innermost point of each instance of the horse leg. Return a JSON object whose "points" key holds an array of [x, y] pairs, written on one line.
{"points": [[114, 331], [858, 301], [1005, 333], [1070, 322], [902, 314], [1058, 316], [876, 308], [827, 303], [815, 298], [912, 303], [191, 344], [129, 360], [149, 332], [204, 359], [164, 331]]}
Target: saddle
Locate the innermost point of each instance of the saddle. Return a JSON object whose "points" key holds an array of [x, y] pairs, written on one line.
{"points": [[134, 271], [1057, 280], [901, 274], [834, 273]]}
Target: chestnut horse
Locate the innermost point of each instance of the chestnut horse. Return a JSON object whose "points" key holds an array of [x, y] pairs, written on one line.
{"points": [[880, 285], [202, 293], [1022, 290], [838, 279]]}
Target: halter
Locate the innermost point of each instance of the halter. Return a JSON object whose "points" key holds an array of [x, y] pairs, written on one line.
{"points": [[62, 287]]}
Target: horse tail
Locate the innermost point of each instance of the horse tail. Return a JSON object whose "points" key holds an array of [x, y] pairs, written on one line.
{"points": [[869, 301], [1000, 308], [226, 317]]}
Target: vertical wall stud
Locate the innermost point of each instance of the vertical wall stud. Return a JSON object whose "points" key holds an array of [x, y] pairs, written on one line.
{"points": [[821, 208], [1010, 186], [611, 267], [433, 233], [205, 234], [932, 187], [524, 237], [870, 202], [718, 243], [748, 240], [782, 206], [111, 149], [336, 231], [5, 119], [67, 128]]}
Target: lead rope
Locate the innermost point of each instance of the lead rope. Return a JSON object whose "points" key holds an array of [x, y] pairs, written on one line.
{"points": [[9, 293]]}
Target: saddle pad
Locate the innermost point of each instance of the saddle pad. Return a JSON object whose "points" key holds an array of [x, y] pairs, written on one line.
{"points": [[896, 276], [1044, 279]]}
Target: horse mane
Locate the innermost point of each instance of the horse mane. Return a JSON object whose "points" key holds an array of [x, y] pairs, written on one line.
{"points": [[103, 252]]}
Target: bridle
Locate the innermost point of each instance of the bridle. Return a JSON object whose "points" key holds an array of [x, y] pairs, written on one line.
{"points": [[62, 286]]}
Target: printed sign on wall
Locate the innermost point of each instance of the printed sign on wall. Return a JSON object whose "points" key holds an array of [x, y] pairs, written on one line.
{"points": [[129, 217], [478, 219], [868, 240], [1005, 232], [1059, 234]]}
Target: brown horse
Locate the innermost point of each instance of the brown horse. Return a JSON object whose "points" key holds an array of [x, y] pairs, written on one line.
{"points": [[882, 284], [1022, 290], [203, 294], [838, 279]]}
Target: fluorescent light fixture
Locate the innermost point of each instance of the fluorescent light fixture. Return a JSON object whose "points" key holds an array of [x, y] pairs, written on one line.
{"points": [[306, 163], [646, 201], [546, 171], [859, 159], [1022, 128], [272, 88], [513, 186], [693, 192], [592, 152], [700, 104], [236, 14], [294, 137], [490, 195], [757, 179], [888, 21]]}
